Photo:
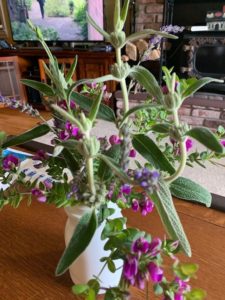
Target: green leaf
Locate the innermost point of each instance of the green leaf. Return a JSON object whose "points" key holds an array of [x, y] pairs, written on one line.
{"points": [[188, 269], [137, 108], [148, 81], [98, 28], [187, 189], [161, 128], [111, 265], [196, 85], [150, 151], [115, 167], [104, 113], [116, 20], [79, 289], [104, 172], [124, 11], [72, 69], [71, 161], [94, 284], [206, 137], [196, 294], [40, 86], [91, 295], [169, 217], [95, 107], [27, 136], [2, 137], [80, 240]]}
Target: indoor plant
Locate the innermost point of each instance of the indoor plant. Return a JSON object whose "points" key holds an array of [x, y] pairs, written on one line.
{"points": [[95, 172]]}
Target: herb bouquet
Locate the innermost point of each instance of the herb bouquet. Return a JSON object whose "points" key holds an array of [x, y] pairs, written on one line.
{"points": [[95, 172]]}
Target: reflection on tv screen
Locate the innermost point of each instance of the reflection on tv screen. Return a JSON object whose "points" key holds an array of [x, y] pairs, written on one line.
{"points": [[59, 20]]}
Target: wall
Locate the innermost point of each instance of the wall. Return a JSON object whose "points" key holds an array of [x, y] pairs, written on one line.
{"points": [[149, 14]]}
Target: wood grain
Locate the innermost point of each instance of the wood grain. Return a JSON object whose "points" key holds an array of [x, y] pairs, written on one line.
{"points": [[32, 240]]}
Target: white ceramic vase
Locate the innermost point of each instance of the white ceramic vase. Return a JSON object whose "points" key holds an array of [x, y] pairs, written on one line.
{"points": [[88, 263]]}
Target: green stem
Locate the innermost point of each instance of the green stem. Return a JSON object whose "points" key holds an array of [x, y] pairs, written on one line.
{"points": [[122, 82], [90, 175], [183, 153]]}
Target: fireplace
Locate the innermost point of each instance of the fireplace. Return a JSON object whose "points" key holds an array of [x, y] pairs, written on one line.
{"points": [[200, 55]]}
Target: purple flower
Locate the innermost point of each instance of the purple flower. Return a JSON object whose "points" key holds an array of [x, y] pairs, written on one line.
{"points": [[135, 205], [188, 144], [132, 153], [155, 272], [147, 179], [178, 296], [140, 281], [146, 206], [130, 269], [10, 162], [48, 183], [64, 135], [222, 142], [126, 189], [114, 140], [63, 104], [140, 246], [39, 194], [154, 246], [40, 155]]}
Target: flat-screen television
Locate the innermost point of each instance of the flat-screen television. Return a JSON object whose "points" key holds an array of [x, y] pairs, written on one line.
{"points": [[59, 20]]}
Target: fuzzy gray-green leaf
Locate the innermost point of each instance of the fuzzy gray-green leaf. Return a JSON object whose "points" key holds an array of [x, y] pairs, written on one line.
{"points": [[148, 81], [169, 217], [206, 137], [40, 86], [184, 188]]}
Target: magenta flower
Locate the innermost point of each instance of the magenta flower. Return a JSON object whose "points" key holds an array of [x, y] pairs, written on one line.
{"points": [[140, 281], [155, 272], [146, 206], [10, 162], [63, 104], [222, 142], [178, 296], [126, 189], [188, 144], [64, 135], [39, 194], [114, 140], [140, 246], [48, 183], [154, 246], [130, 269], [40, 155], [132, 153], [135, 205]]}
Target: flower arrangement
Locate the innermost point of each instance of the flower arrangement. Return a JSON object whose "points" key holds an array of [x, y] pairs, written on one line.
{"points": [[95, 171]]}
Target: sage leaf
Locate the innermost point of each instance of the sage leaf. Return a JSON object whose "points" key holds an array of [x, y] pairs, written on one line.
{"points": [[161, 128], [40, 86], [196, 85], [150, 151], [206, 137], [184, 188], [115, 167], [169, 217], [104, 172], [72, 69], [148, 81], [80, 240], [104, 113], [27, 136]]}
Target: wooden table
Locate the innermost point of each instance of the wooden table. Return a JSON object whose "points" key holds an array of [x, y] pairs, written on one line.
{"points": [[32, 242]]}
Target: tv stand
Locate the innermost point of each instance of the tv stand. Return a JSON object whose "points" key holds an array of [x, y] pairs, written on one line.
{"points": [[91, 64]]}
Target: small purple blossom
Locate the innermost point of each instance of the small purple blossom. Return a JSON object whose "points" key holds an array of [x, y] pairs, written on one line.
{"points": [[147, 179], [188, 144], [63, 104], [222, 142], [156, 273], [132, 153], [40, 155], [126, 189], [114, 140], [39, 194], [48, 183], [130, 269], [135, 205], [154, 246], [146, 206], [140, 246], [10, 162]]}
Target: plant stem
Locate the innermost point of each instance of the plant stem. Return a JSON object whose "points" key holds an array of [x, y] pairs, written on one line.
{"points": [[122, 82], [90, 175], [183, 153]]}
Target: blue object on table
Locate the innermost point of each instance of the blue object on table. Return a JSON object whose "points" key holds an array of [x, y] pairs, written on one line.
{"points": [[22, 156]]}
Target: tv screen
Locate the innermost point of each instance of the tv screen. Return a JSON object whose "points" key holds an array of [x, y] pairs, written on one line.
{"points": [[59, 20]]}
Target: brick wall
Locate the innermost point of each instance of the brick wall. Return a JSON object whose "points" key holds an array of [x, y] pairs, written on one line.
{"points": [[149, 14]]}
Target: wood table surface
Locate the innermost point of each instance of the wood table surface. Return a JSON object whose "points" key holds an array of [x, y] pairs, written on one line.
{"points": [[32, 241]]}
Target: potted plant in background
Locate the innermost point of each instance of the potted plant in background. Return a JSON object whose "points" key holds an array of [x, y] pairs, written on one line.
{"points": [[92, 177]]}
